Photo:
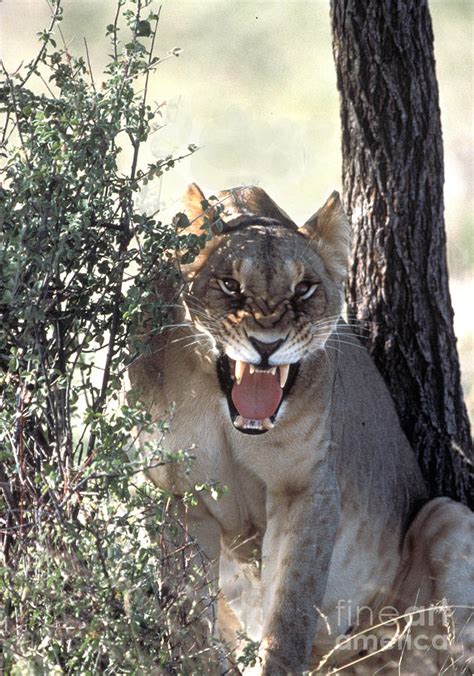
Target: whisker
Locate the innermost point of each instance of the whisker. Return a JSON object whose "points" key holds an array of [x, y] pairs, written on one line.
{"points": [[331, 347], [193, 342], [176, 326], [161, 329], [345, 342], [194, 336], [346, 325], [164, 347]]}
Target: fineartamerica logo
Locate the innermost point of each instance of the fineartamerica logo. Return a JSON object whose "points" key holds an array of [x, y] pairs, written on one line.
{"points": [[417, 616], [390, 628]]}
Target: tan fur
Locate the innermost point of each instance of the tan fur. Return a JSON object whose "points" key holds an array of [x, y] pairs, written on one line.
{"points": [[318, 509]]}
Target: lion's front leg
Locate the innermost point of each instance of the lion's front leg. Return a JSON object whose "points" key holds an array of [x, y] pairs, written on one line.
{"points": [[297, 551]]}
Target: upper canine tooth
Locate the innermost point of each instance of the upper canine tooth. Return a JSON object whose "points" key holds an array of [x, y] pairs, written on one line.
{"points": [[284, 370], [239, 370]]}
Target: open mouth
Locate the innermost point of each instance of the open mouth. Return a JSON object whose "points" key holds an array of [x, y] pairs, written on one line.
{"points": [[254, 394]]}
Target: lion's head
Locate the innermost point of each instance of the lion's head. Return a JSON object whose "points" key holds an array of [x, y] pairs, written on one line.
{"points": [[266, 293]]}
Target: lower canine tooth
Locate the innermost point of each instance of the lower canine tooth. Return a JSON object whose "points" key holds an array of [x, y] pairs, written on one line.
{"points": [[239, 421], [284, 370], [267, 424]]}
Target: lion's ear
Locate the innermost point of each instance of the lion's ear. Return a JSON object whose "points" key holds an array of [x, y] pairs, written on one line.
{"points": [[194, 205], [330, 230], [198, 213]]}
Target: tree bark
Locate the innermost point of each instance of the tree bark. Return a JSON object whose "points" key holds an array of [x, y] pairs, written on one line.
{"points": [[393, 186]]}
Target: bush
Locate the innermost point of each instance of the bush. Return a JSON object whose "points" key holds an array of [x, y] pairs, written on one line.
{"points": [[95, 561]]}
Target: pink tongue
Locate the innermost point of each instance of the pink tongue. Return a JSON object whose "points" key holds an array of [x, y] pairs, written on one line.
{"points": [[258, 395]]}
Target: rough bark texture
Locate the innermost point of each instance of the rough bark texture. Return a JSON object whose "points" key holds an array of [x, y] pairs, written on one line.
{"points": [[393, 185]]}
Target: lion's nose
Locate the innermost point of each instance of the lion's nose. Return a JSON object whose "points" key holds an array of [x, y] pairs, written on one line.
{"points": [[265, 350]]}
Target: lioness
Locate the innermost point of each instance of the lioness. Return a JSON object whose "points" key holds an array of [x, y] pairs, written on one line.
{"points": [[323, 532]]}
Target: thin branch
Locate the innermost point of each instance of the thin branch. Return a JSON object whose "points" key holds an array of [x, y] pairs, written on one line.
{"points": [[150, 58], [89, 66], [15, 111], [39, 56], [114, 39]]}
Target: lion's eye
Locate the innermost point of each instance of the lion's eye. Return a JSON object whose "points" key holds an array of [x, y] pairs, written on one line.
{"points": [[304, 290], [229, 286]]}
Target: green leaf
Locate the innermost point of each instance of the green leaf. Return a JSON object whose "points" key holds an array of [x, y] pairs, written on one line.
{"points": [[143, 29]]}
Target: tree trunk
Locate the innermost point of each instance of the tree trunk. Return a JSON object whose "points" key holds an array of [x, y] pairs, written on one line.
{"points": [[393, 185]]}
